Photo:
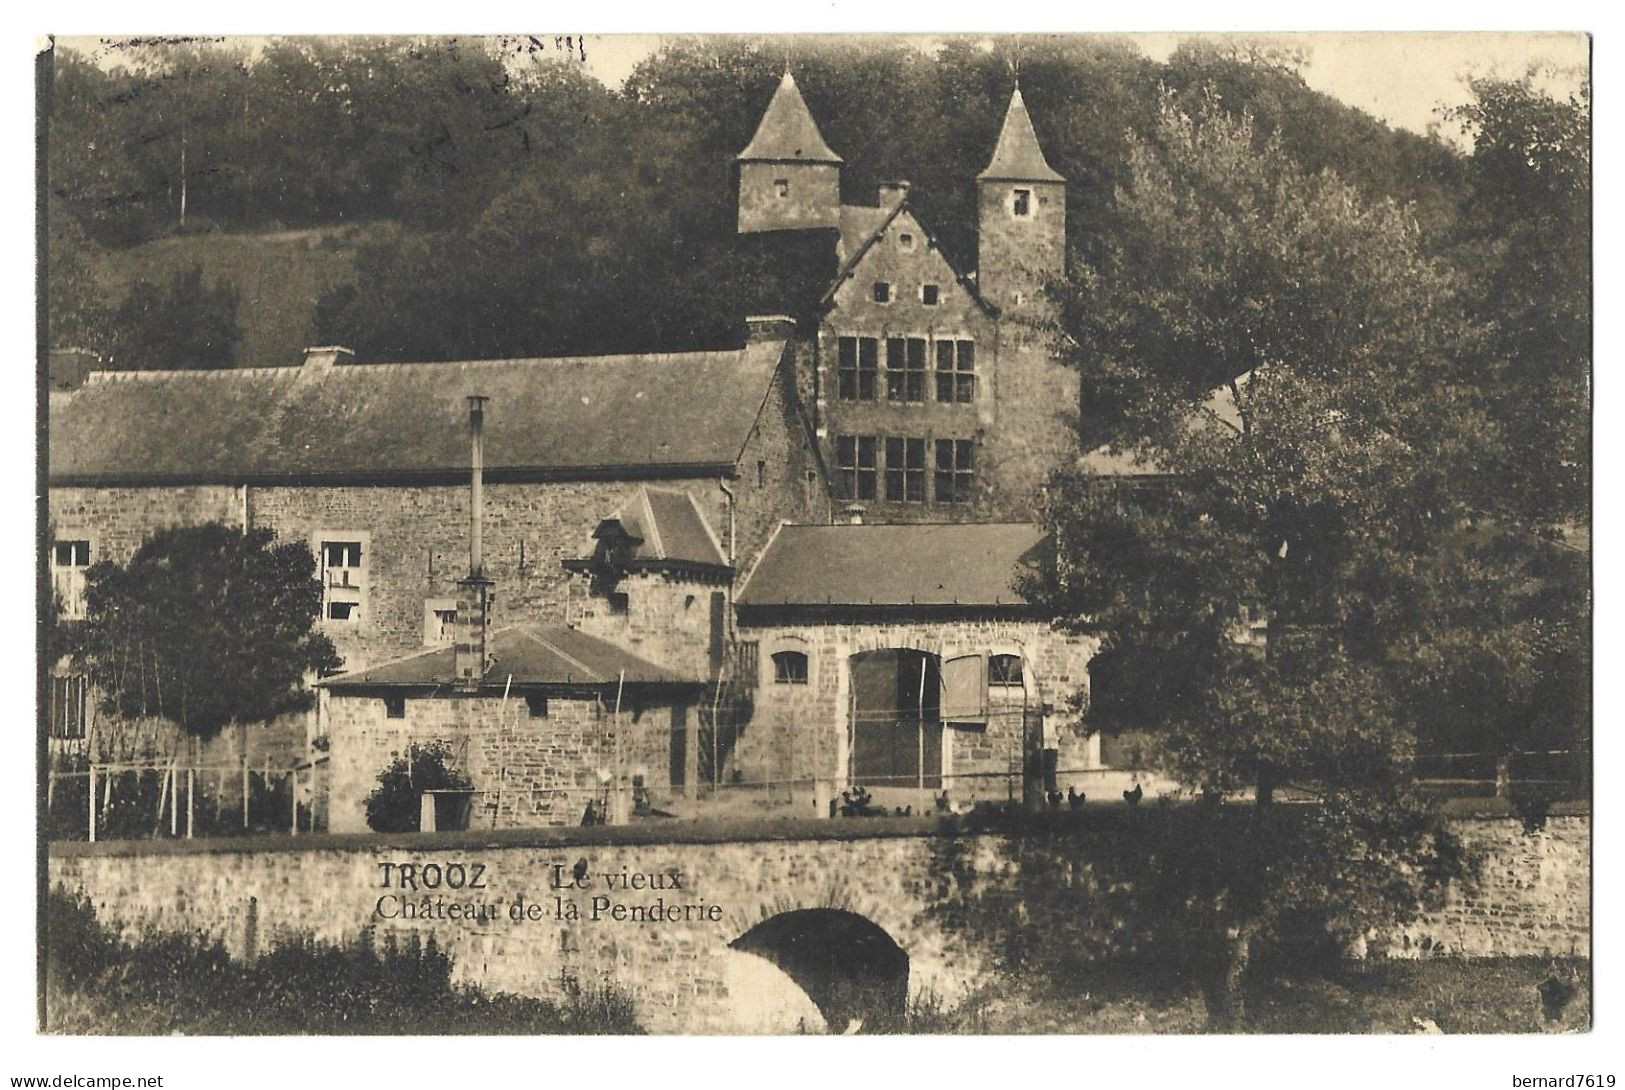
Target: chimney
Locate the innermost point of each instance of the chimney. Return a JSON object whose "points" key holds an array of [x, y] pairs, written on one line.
{"points": [[321, 357], [892, 194], [852, 514], [769, 327], [474, 593]]}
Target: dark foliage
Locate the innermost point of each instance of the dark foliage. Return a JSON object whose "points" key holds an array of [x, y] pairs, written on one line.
{"points": [[205, 626], [190, 325], [393, 806], [170, 983]]}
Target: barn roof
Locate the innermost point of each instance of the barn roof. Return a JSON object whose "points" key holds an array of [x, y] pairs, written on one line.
{"points": [[533, 657], [922, 564], [787, 132], [609, 416]]}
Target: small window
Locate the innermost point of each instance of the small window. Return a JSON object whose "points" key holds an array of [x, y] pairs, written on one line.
{"points": [[619, 603], [905, 368], [882, 291], [956, 470], [781, 186], [761, 472], [1022, 204], [69, 562], [395, 707], [537, 703], [930, 294], [855, 466], [344, 577], [789, 668], [439, 622], [956, 371], [343, 611], [905, 470], [905, 241], [1004, 670], [745, 662]]}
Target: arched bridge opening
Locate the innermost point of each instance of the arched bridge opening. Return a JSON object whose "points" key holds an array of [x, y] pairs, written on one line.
{"points": [[849, 967]]}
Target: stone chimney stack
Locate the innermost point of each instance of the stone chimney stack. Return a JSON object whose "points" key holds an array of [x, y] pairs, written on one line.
{"points": [[893, 194], [769, 327], [321, 357], [474, 593]]}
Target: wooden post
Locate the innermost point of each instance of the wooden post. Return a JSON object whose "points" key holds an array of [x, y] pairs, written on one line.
{"points": [[174, 802], [191, 802], [293, 791], [245, 789], [92, 805]]}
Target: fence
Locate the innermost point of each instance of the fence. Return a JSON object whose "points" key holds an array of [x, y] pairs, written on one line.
{"points": [[1552, 775], [174, 798]]}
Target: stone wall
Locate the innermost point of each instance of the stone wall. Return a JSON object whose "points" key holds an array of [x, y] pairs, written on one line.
{"points": [[527, 770], [803, 731], [921, 882]]}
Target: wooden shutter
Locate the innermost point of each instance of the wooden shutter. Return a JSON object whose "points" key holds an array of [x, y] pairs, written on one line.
{"points": [[964, 690]]}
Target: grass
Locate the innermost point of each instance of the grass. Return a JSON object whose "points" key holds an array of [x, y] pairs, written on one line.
{"points": [[1378, 996]]}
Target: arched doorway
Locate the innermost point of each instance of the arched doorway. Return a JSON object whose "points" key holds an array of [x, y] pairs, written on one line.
{"points": [[896, 720], [848, 966]]}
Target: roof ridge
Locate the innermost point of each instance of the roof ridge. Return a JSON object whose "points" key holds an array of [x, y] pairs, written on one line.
{"points": [[652, 523]]}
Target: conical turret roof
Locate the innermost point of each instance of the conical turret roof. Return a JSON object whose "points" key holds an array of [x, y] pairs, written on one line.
{"points": [[1017, 157], [788, 132]]}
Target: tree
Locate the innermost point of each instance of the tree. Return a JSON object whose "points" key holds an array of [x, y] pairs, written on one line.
{"points": [[206, 626], [393, 806], [191, 325], [1321, 490]]}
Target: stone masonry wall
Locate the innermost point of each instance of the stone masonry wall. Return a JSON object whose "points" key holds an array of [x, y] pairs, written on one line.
{"points": [[803, 731], [527, 771], [907, 877]]}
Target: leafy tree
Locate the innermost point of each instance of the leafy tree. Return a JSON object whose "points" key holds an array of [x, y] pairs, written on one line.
{"points": [[1319, 491], [206, 626], [189, 325]]}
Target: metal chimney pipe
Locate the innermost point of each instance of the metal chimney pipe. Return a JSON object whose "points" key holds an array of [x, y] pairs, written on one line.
{"points": [[476, 511]]}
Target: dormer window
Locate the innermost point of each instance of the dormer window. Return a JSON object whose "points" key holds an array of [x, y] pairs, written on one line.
{"points": [[882, 291], [1022, 204], [905, 241], [781, 187]]}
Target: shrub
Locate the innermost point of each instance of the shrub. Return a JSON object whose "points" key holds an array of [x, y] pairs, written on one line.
{"points": [[393, 806]]}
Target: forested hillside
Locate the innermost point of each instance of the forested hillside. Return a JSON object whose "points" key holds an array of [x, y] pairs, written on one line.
{"points": [[514, 208]]}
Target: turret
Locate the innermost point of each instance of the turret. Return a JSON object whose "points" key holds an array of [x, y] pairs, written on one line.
{"points": [[1021, 236], [789, 179]]}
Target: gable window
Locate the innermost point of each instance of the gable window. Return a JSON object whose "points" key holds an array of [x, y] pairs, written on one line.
{"points": [[69, 562], [395, 707], [67, 707], [858, 367], [905, 241], [536, 703], [882, 291], [789, 668], [956, 371], [1004, 670], [1022, 202], [930, 294], [905, 470], [781, 186], [905, 369], [344, 578], [855, 466], [439, 622], [956, 470]]}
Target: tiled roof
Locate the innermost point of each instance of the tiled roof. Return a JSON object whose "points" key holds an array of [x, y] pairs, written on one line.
{"points": [[531, 656], [595, 415], [1017, 156], [788, 132], [966, 564], [672, 529]]}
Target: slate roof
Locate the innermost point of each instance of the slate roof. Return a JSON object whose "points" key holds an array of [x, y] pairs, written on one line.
{"points": [[1017, 156], [787, 132], [672, 529], [935, 564], [563, 417], [535, 657]]}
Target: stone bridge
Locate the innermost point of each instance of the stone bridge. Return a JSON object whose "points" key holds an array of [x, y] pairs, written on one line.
{"points": [[713, 928]]}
